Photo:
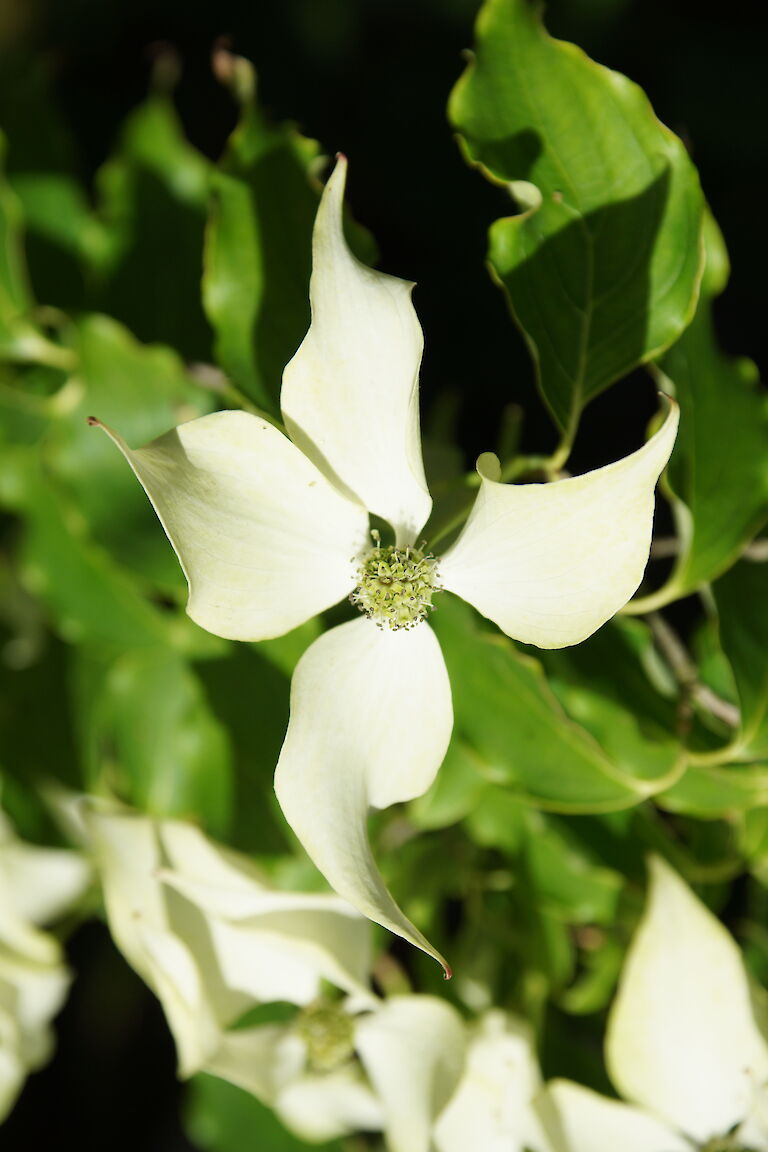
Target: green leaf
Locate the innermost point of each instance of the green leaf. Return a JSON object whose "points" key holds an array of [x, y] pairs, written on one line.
{"points": [[742, 604], [249, 697], [20, 338], [153, 197], [508, 715], [615, 687], [602, 268], [223, 1118], [89, 599], [150, 736], [568, 876], [719, 467], [711, 792], [258, 251], [142, 390]]}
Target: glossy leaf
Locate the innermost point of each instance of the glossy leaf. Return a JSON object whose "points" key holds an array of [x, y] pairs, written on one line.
{"points": [[601, 267], [719, 467], [507, 714], [742, 603]]}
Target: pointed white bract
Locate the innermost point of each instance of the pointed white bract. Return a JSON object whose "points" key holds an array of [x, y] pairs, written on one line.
{"points": [[37, 886], [272, 530], [682, 1038], [350, 395], [265, 541], [683, 1044], [370, 723], [550, 563]]}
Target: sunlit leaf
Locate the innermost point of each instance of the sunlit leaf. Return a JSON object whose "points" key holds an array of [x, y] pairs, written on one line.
{"points": [[511, 720], [601, 267], [719, 467]]}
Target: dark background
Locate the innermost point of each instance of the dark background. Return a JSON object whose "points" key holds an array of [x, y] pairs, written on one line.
{"points": [[371, 78]]}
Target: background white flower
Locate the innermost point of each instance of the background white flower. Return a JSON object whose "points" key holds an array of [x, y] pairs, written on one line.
{"points": [[271, 530], [683, 1043], [213, 941], [37, 886], [492, 1109]]}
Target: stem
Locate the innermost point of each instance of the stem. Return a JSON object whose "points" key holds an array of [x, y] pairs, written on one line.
{"points": [[687, 675]]}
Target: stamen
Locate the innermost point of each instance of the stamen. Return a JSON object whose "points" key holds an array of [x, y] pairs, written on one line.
{"points": [[396, 585], [328, 1032]]}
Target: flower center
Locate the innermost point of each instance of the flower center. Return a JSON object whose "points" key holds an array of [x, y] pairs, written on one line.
{"points": [[328, 1033], [395, 586]]}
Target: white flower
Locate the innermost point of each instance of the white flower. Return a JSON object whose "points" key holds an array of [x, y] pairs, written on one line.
{"points": [[683, 1042], [493, 1107], [271, 530], [213, 940], [37, 885]]}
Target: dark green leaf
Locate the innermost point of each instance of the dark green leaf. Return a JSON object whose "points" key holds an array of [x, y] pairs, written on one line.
{"points": [[601, 269], [508, 715], [150, 736], [719, 468]]}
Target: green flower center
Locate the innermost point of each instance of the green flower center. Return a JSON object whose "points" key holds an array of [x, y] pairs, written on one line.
{"points": [[396, 586], [328, 1033]]}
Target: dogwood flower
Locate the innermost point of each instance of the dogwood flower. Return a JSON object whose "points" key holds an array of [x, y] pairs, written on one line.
{"points": [[271, 529], [493, 1107], [214, 941], [683, 1043], [37, 885]]}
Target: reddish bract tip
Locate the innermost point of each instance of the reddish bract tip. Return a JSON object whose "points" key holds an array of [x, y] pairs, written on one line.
{"points": [[341, 157], [93, 421], [447, 972]]}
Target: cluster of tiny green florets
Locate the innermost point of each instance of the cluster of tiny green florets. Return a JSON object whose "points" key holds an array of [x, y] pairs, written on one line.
{"points": [[328, 1032], [395, 586]]}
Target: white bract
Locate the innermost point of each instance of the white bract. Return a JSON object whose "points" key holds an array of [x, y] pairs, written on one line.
{"points": [[37, 886], [214, 941], [683, 1044], [271, 530], [493, 1107]]}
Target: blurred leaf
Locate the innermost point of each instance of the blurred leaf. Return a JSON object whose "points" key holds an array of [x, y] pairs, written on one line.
{"points": [[153, 198], [741, 596], [259, 249], [142, 391], [458, 788], [506, 712], [150, 736], [20, 338], [223, 1118], [258, 252], [568, 876], [249, 697], [601, 268], [88, 597], [607, 685], [714, 791], [31, 751], [719, 468]]}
